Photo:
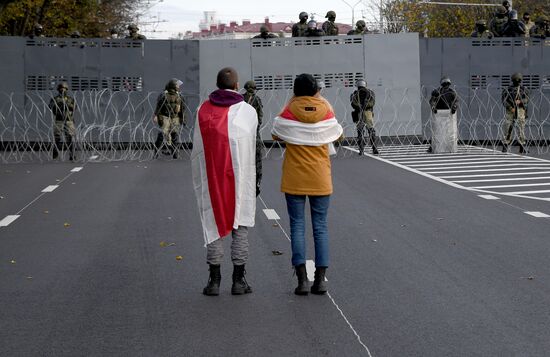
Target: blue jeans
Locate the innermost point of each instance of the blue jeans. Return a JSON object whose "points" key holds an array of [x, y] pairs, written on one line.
{"points": [[296, 212]]}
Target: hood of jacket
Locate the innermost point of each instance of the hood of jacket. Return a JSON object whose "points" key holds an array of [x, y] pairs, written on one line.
{"points": [[307, 109], [225, 97]]}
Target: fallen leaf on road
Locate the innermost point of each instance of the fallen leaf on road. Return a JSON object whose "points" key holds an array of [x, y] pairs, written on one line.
{"points": [[66, 224], [46, 212], [12, 261], [179, 257], [275, 225], [1, 197], [29, 277], [169, 217], [276, 252], [374, 240], [440, 219]]}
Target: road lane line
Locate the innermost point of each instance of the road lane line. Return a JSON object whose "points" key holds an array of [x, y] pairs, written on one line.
{"points": [[8, 220], [489, 197], [510, 186], [50, 188], [271, 214], [76, 169], [537, 214]]}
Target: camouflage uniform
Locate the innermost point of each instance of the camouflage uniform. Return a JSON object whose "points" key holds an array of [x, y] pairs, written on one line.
{"points": [[63, 107], [481, 30], [251, 98], [170, 115], [329, 27], [443, 98], [363, 101], [313, 31], [134, 35], [541, 29], [515, 112], [360, 28], [499, 22], [264, 33], [299, 29]]}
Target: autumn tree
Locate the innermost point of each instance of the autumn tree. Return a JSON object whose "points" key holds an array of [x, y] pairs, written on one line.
{"points": [[436, 20], [92, 18]]}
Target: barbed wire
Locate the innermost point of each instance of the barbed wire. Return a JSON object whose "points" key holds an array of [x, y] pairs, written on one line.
{"points": [[117, 126]]}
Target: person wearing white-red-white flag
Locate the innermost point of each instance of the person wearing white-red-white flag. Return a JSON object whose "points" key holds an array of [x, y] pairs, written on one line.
{"points": [[224, 177]]}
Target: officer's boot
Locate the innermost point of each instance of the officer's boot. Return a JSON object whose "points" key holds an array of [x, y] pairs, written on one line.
{"points": [[175, 145], [301, 274], [504, 147], [158, 144], [240, 286], [319, 286], [70, 148], [55, 149], [372, 137], [523, 149], [213, 287]]}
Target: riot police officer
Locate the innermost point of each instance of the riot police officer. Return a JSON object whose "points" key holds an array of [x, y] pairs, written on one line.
{"points": [[169, 115], [133, 33], [299, 29], [443, 98], [481, 30], [329, 27], [498, 22], [252, 98], [264, 33], [313, 31], [514, 27], [63, 107], [515, 99], [360, 28], [363, 101]]}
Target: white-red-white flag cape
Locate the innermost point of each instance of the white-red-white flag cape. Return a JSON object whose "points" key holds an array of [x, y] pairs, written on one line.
{"points": [[224, 167]]}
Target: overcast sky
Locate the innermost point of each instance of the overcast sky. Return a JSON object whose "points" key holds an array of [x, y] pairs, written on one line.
{"points": [[180, 16]]}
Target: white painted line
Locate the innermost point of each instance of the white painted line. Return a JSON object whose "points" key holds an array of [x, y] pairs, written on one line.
{"points": [[495, 175], [76, 169], [517, 185], [453, 162], [271, 214], [488, 170], [432, 167], [489, 197], [50, 188], [94, 157], [8, 219], [504, 179], [481, 160], [310, 268], [537, 214], [460, 158], [527, 192]]}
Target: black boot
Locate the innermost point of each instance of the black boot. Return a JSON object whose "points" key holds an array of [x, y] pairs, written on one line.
{"points": [[319, 286], [301, 273], [240, 286], [504, 147], [372, 137], [213, 287], [375, 150]]}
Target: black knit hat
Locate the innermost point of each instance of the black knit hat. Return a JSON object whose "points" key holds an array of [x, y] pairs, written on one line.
{"points": [[305, 85]]}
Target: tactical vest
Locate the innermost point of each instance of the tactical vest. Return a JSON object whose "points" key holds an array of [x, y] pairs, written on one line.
{"points": [[330, 28], [62, 108], [171, 105]]}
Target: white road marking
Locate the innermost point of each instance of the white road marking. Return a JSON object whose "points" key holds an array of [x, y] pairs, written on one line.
{"points": [[489, 197], [93, 157], [310, 268], [76, 169], [527, 192], [455, 160], [429, 167], [271, 214], [537, 214], [475, 162], [492, 170], [50, 188], [8, 219], [504, 179], [494, 175], [517, 185]]}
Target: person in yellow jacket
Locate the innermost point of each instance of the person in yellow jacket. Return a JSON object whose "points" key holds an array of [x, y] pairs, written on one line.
{"points": [[308, 127]]}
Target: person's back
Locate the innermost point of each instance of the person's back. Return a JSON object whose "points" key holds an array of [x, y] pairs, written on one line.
{"points": [[224, 177], [299, 29], [444, 98]]}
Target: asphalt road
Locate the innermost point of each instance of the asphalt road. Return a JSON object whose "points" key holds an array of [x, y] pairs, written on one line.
{"points": [[418, 268]]}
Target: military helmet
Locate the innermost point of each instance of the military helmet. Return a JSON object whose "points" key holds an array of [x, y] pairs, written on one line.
{"points": [[360, 24], [330, 14], [501, 10], [173, 84], [517, 77], [445, 81], [75, 34], [38, 27], [62, 84], [250, 85], [513, 15], [481, 23], [361, 83], [506, 3], [133, 27], [303, 15], [312, 24], [264, 28]]}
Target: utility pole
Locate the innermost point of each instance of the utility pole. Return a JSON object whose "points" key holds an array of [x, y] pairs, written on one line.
{"points": [[352, 10]]}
